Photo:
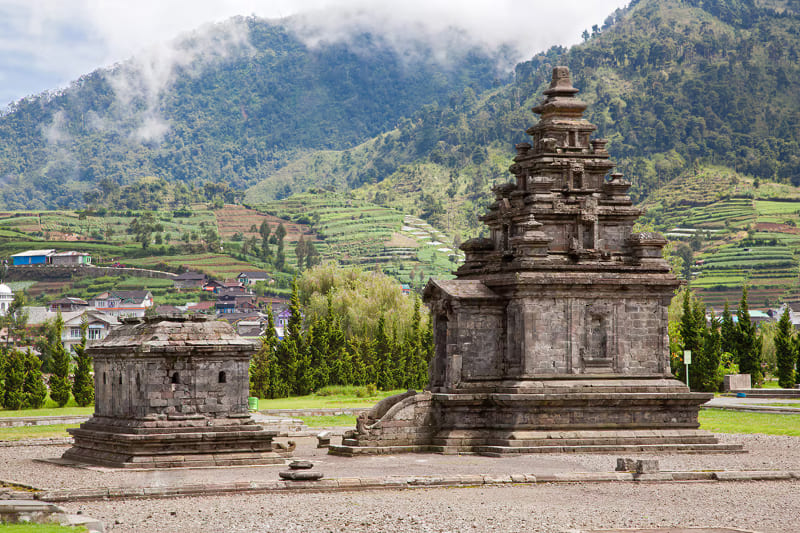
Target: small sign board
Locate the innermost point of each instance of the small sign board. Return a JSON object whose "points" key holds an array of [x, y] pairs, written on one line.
{"points": [[687, 357]]}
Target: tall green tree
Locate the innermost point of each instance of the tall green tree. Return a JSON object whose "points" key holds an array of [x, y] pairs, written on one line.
{"points": [[748, 342], [280, 254], [33, 387], [16, 320], [14, 379], [703, 370], [785, 351], [264, 230], [82, 382], [300, 251], [727, 330], [59, 363], [384, 378], [290, 350], [261, 366], [692, 328]]}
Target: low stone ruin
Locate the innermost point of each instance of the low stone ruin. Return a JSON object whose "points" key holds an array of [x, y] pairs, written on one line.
{"points": [[172, 392]]}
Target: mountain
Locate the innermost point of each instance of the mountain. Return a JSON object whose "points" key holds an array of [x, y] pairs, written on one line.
{"points": [[230, 104], [674, 85]]}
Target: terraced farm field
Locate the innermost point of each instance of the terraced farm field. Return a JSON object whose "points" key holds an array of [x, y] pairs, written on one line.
{"points": [[215, 265], [354, 231], [748, 235]]}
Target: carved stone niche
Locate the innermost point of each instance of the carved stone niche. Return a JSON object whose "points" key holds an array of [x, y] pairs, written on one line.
{"points": [[596, 353]]}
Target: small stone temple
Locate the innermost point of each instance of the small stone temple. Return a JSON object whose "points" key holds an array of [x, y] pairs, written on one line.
{"points": [[553, 336], [172, 392]]}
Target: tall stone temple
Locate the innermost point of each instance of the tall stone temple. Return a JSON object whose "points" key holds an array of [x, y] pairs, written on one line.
{"points": [[553, 336]]}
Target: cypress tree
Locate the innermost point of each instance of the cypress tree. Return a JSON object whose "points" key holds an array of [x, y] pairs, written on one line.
{"points": [[83, 384], [703, 370], [260, 366], [340, 362], [319, 352], [384, 379], [362, 350], [692, 326], [727, 331], [59, 380], [33, 387], [13, 395], [290, 350], [748, 344], [785, 351]]}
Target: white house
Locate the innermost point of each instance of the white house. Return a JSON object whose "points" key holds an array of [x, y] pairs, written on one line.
{"points": [[99, 325], [123, 303], [6, 297]]}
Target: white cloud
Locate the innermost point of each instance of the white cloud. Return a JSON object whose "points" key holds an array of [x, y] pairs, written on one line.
{"points": [[47, 43]]}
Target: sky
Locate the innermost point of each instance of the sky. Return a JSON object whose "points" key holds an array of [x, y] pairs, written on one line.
{"points": [[46, 44]]}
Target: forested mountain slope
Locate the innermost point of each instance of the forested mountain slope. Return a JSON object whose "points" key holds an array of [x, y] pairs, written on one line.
{"points": [[673, 84], [230, 104]]}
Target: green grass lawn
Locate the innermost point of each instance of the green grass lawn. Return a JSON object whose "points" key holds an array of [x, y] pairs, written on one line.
{"points": [[40, 528], [35, 432], [349, 398], [721, 421], [52, 410]]}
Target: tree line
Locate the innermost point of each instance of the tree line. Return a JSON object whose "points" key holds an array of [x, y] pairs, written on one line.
{"points": [[331, 347], [23, 385], [729, 344]]}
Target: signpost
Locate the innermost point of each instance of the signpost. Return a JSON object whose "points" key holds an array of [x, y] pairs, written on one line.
{"points": [[687, 360]]}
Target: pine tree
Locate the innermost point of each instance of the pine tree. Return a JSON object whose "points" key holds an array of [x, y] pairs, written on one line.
{"points": [[318, 350], [785, 351], [59, 379], [340, 361], [728, 331], [748, 346], [300, 251], [14, 377], [261, 365], [290, 350], [703, 371], [384, 378], [82, 383], [264, 230], [33, 388], [691, 330], [280, 258]]}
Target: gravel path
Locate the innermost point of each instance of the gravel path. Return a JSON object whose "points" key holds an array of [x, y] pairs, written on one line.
{"points": [[767, 452], [768, 507], [772, 507]]}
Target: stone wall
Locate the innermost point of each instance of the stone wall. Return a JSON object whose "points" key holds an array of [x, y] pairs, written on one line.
{"points": [[63, 272]]}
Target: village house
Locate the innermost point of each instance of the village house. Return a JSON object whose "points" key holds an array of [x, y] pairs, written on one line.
{"points": [[99, 325], [51, 257], [250, 278], [190, 280], [31, 257], [67, 304], [123, 303], [70, 258]]}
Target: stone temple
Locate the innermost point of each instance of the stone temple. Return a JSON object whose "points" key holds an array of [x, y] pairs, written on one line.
{"points": [[553, 336], [172, 392]]}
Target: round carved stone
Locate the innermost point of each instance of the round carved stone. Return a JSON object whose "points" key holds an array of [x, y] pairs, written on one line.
{"points": [[301, 465]]}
